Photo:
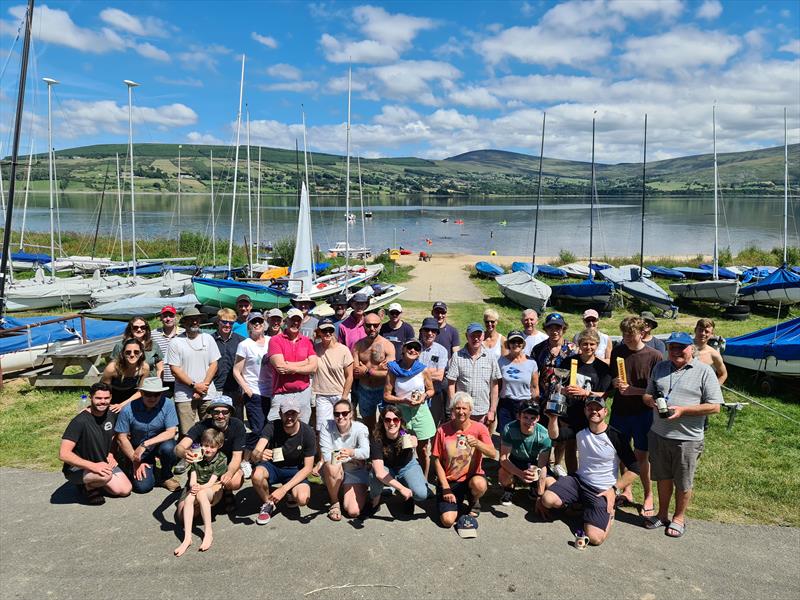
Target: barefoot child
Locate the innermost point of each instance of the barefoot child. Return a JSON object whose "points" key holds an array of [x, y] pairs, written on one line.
{"points": [[202, 488]]}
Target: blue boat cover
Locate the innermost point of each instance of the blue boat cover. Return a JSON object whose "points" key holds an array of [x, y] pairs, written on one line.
{"points": [[760, 272], [722, 271], [148, 268], [29, 257], [692, 273], [243, 285], [222, 270], [778, 279], [54, 332], [795, 269], [782, 342], [320, 268], [665, 272], [544, 270], [525, 267], [584, 289], [487, 268]]}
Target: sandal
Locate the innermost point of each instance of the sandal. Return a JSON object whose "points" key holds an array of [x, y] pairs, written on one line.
{"points": [[334, 512], [94, 496], [678, 528], [646, 509], [653, 523]]}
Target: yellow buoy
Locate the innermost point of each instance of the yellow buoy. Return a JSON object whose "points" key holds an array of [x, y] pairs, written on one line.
{"points": [[492, 253]]}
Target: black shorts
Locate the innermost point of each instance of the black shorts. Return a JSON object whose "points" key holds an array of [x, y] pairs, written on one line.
{"points": [[570, 489], [460, 490]]}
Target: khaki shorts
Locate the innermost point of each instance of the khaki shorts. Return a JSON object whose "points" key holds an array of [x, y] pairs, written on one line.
{"points": [[674, 459]]}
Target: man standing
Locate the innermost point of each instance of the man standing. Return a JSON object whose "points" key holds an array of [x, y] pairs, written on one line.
{"points": [[434, 357], [397, 331], [162, 336], [146, 430], [293, 361], [687, 390], [648, 339], [305, 304], [352, 328], [448, 335], [629, 414], [227, 343], [530, 319], [338, 302], [474, 371], [595, 484], [86, 449], [221, 419], [703, 332], [193, 358], [244, 305], [371, 355]]}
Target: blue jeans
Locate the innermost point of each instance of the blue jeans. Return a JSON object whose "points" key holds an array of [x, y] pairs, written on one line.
{"points": [[410, 475], [257, 408], [165, 451]]}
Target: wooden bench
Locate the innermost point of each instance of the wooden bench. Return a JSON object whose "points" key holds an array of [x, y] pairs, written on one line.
{"points": [[88, 357]]}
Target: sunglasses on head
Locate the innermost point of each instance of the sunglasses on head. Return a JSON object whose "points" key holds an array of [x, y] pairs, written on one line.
{"points": [[391, 420], [343, 413]]}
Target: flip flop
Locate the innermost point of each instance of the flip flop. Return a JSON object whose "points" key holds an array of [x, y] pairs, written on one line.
{"points": [[645, 509], [335, 513], [653, 523], [679, 528]]}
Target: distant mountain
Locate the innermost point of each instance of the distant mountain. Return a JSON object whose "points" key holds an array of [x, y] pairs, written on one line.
{"points": [[480, 172]]}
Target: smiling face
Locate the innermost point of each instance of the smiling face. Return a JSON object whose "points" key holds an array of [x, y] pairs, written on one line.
{"points": [[131, 353], [394, 316], [256, 328], [474, 340], [527, 421], [461, 412], [372, 324], [221, 416], [209, 451], [703, 334], [680, 355], [428, 336], [391, 424], [139, 328], [192, 324], [342, 416], [440, 314], [555, 334], [289, 419], [150, 399], [274, 325], [529, 321], [167, 320], [359, 308], [587, 348], [100, 400], [595, 413], [293, 325], [243, 308]]}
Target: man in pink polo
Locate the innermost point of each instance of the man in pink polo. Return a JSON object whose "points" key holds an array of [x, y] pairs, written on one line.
{"points": [[352, 328], [293, 361]]}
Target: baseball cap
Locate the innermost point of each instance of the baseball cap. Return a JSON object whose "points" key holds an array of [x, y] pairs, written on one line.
{"points": [[338, 299], [169, 309], [294, 312], [467, 527], [274, 312], [473, 327], [596, 400], [515, 335], [254, 315], [412, 342], [650, 318], [590, 312], [679, 337], [290, 404], [326, 323], [395, 306], [529, 407], [554, 319], [439, 305], [221, 401], [359, 298], [241, 297], [430, 323]]}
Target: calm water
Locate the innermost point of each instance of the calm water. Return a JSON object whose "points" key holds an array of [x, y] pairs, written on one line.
{"points": [[675, 225]]}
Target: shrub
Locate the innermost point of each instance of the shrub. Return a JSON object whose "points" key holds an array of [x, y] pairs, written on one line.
{"points": [[565, 256]]}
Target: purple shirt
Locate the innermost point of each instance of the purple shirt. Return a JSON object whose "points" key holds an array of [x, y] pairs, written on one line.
{"points": [[350, 331]]}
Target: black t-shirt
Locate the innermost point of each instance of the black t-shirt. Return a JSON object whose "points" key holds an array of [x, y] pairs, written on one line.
{"points": [[596, 377], [295, 447], [398, 336], [390, 455], [448, 337], [92, 435], [224, 381], [234, 435]]}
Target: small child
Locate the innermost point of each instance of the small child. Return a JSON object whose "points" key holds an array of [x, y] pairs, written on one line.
{"points": [[202, 488]]}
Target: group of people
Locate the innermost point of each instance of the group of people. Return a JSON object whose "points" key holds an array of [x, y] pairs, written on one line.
{"points": [[373, 405]]}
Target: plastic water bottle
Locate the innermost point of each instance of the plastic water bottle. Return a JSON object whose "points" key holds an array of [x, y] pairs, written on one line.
{"points": [[83, 402]]}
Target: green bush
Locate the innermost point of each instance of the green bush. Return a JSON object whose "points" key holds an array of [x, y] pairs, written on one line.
{"points": [[565, 256]]}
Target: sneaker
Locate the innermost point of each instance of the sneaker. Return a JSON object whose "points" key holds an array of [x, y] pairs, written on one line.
{"points": [[265, 514], [171, 484], [560, 471], [180, 468], [506, 498], [247, 469]]}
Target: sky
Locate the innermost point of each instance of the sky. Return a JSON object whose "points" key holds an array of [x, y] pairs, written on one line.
{"points": [[430, 79]]}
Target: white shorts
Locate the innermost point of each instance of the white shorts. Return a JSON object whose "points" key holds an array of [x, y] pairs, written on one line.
{"points": [[305, 405], [325, 406]]}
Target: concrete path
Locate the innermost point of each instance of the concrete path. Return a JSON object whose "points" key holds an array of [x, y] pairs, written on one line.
{"points": [[53, 546], [442, 277]]}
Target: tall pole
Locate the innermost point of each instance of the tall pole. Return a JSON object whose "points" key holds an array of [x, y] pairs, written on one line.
{"points": [[538, 199], [591, 206], [716, 218], [347, 177], [644, 194], [213, 216], [361, 198], [308, 188], [236, 167], [249, 187], [27, 191], [785, 187], [258, 206], [180, 171], [23, 73], [2, 193], [50, 166], [119, 208], [131, 85]]}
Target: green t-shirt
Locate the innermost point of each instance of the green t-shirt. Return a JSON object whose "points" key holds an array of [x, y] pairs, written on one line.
{"points": [[204, 469], [526, 448]]}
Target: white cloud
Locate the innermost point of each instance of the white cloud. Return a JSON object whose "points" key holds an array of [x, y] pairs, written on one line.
{"points": [[543, 46], [413, 79], [147, 50], [527, 9], [396, 115], [55, 26], [547, 88], [681, 48], [365, 51], [793, 47], [585, 16], [265, 40], [450, 119], [474, 97], [204, 57], [80, 117], [284, 71], [119, 19], [195, 137], [709, 10], [289, 86], [638, 9]]}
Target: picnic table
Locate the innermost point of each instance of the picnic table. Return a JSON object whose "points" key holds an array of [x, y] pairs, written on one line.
{"points": [[87, 357]]}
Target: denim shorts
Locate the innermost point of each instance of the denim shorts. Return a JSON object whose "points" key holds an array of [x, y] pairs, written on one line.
{"points": [[370, 400], [276, 474]]}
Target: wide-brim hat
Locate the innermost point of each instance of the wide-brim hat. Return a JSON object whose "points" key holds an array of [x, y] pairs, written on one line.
{"points": [[300, 298], [191, 312], [152, 385]]}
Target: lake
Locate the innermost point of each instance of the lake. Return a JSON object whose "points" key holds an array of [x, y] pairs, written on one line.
{"points": [[674, 225]]}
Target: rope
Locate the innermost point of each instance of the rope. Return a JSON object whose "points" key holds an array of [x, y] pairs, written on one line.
{"points": [[754, 401]]}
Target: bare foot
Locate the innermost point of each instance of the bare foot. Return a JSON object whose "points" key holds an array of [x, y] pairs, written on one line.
{"points": [[207, 540], [182, 548]]}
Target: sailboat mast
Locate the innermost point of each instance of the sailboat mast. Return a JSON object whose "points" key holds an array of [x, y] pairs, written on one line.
{"points": [[785, 188], [591, 208], [27, 191], [180, 171], [347, 177], [258, 206], [716, 183], [249, 187], [132, 85], [644, 194], [308, 191], [363, 226], [50, 160], [538, 198], [235, 168], [213, 216], [119, 208]]}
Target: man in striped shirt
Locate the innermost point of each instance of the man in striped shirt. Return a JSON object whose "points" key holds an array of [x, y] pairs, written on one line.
{"points": [[162, 336]]}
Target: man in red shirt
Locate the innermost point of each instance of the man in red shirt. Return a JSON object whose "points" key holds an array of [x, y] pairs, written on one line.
{"points": [[293, 361], [458, 451]]}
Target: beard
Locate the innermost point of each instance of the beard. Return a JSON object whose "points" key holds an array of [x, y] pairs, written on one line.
{"points": [[195, 329]]}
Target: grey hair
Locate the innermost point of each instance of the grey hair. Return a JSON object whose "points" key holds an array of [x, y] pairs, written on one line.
{"points": [[529, 311], [463, 398]]}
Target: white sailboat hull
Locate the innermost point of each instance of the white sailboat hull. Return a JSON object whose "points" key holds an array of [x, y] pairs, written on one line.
{"points": [[167, 285], [778, 296], [769, 365], [720, 291], [524, 290]]}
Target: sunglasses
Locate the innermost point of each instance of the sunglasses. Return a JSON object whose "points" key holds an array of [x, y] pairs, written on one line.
{"points": [[489, 322], [221, 322], [220, 412], [394, 313], [257, 322], [428, 331], [151, 394], [516, 343], [341, 414], [371, 325], [138, 327], [168, 316], [132, 352], [412, 349], [391, 420], [590, 320]]}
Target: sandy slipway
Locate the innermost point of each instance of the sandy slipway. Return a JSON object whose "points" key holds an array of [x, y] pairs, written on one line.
{"points": [[52, 546]]}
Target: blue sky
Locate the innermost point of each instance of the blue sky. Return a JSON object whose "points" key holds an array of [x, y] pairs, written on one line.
{"points": [[430, 79]]}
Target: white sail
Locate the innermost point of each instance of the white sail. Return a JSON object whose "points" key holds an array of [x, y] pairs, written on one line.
{"points": [[302, 264]]}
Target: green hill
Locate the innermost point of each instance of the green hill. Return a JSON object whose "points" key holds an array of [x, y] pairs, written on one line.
{"points": [[480, 172]]}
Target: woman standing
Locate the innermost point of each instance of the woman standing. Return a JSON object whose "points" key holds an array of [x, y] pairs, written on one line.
{"points": [[125, 373], [492, 340], [520, 380], [391, 450], [410, 387], [139, 329], [345, 450]]}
